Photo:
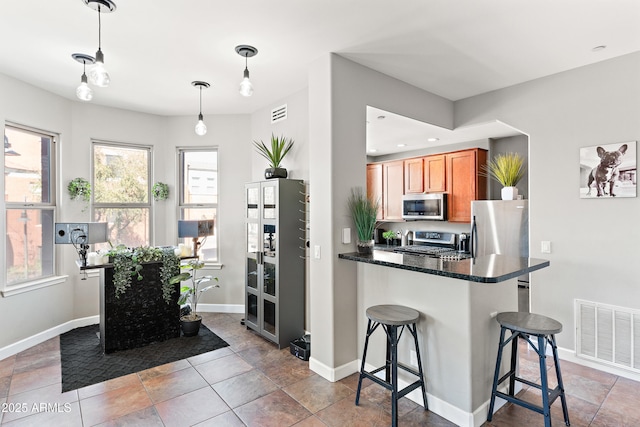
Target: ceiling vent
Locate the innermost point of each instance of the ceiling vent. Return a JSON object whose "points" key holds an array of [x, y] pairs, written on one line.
{"points": [[279, 113]]}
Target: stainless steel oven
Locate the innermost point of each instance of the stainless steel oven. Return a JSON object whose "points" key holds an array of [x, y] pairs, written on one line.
{"points": [[432, 206]]}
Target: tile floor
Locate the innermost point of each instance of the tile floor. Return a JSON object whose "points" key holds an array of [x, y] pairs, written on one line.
{"points": [[253, 383]]}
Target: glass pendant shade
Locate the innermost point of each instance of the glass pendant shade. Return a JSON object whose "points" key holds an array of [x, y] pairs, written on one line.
{"points": [[84, 92], [246, 88], [98, 73], [201, 128]]}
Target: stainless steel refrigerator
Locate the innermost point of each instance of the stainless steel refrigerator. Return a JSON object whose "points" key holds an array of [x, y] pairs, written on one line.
{"points": [[500, 227]]}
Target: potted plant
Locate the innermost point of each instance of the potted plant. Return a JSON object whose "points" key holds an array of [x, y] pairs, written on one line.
{"points": [[389, 236], [508, 170], [363, 211], [80, 189], [279, 148], [190, 323], [160, 191]]}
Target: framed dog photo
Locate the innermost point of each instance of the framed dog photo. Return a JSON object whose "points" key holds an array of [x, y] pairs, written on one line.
{"points": [[608, 171]]}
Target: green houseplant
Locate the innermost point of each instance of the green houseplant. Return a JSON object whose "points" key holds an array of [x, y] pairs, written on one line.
{"points": [[190, 323], [80, 189], [280, 146], [508, 170], [363, 211], [160, 191], [127, 264]]}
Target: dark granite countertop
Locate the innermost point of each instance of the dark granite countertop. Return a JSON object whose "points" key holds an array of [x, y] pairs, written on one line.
{"points": [[484, 269]]}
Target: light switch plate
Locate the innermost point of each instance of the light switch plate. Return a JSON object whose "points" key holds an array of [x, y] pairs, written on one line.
{"points": [[545, 247], [346, 236], [316, 251]]}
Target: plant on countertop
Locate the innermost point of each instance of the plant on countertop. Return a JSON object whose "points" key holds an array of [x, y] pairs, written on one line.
{"points": [[160, 191], [279, 148], [389, 236], [79, 189], [192, 292], [507, 169], [127, 263], [364, 211]]}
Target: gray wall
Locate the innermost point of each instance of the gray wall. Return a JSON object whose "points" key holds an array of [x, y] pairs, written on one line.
{"points": [[594, 242]]}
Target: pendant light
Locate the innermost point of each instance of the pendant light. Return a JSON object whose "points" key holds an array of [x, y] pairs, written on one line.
{"points": [[84, 92], [98, 74], [201, 128], [246, 88]]}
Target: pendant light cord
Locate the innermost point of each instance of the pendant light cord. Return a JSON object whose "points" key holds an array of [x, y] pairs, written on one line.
{"points": [[99, 29], [200, 99]]}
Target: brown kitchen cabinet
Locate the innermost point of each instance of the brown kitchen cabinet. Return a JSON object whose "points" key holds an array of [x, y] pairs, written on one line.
{"points": [[414, 176], [464, 184], [392, 189], [435, 174], [374, 186]]}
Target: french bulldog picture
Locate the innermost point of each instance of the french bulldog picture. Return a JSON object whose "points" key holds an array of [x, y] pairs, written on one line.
{"points": [[606, 173], [609, 170]]}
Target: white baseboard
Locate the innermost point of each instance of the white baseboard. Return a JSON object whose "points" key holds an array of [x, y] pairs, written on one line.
{"points": [[333, 374], [43, 336], [570, 356]]}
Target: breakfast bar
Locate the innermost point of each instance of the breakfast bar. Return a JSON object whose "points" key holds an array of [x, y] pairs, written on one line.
{"points": [[458, 334]]}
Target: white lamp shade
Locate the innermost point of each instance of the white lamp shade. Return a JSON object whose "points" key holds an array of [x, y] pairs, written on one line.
{"points": [[246, 88], [99, 76], [201, 128], [84, 92]]}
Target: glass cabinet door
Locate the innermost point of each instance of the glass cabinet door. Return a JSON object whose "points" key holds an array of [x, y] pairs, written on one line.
{"points": [[269, 207], [269, 317], [253, 199]]}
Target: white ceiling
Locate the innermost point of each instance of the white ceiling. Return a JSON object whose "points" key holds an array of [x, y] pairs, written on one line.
{"points": [[154, 48]]}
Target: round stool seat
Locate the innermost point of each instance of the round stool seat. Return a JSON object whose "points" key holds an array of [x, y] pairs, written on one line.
{"points": [[394, 315], [529, 323]]}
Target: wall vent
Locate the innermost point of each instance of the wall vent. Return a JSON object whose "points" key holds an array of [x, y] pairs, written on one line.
{"points": [[608, 334], [279, 113]]}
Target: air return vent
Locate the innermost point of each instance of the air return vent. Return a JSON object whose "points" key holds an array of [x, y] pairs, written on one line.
{"points": [[608, 334], [279, 113]]}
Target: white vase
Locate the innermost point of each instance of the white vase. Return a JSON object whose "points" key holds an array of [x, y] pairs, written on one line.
{"points": [[509, 193]]}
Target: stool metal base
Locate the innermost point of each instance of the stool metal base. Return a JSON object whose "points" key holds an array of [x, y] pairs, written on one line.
{"points": [[391, 366], [548, 395]]}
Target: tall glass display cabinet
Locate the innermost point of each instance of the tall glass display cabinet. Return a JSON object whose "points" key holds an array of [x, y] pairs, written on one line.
{"points": [[274, 223]]}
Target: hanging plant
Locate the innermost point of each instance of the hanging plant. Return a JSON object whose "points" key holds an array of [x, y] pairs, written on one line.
{"points": [[79, 189], [160, 191], [127, 264]]}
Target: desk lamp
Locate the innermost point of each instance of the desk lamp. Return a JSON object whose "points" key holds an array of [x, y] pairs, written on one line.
{"points": [[195, 229]]}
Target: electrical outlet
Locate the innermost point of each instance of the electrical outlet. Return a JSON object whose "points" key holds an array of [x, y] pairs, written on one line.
{"points": [[545, 247], [346, 236], [413, 358]]}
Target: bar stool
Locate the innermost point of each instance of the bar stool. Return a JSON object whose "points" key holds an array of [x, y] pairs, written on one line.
{"points": [[525, 326], [392, 317]]}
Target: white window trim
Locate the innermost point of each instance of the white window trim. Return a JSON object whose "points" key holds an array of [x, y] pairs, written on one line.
{"points": [[7, 290], [21, 288]]}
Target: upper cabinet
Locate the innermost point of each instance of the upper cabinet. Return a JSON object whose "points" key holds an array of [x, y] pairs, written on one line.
{"points": [[392, 189], [374, 186], [454, 173], [464, 184], [414, 176], [435, 174]]}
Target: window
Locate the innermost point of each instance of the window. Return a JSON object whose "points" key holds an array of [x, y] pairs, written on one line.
{"points": [[121, 192], [29, 202], [199, 193]]}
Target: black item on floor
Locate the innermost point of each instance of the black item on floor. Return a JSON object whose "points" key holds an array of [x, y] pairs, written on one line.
{"points": [[83, 363], [301, 347]]}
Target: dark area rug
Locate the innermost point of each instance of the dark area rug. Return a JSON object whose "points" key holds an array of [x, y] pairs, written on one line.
{"points": [[84, 363]]}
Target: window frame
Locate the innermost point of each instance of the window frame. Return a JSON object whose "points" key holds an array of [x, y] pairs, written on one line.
{"points": [[181, 205], [148, 205], [53, 278]]}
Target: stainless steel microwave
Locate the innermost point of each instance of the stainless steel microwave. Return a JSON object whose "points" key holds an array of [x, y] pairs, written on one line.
{"points": [[432, 206]]}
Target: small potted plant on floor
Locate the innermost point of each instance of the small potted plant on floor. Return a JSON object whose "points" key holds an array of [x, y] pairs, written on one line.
{"points": [[508, 170], [363, 211], [279, 148], [190, 323]]}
